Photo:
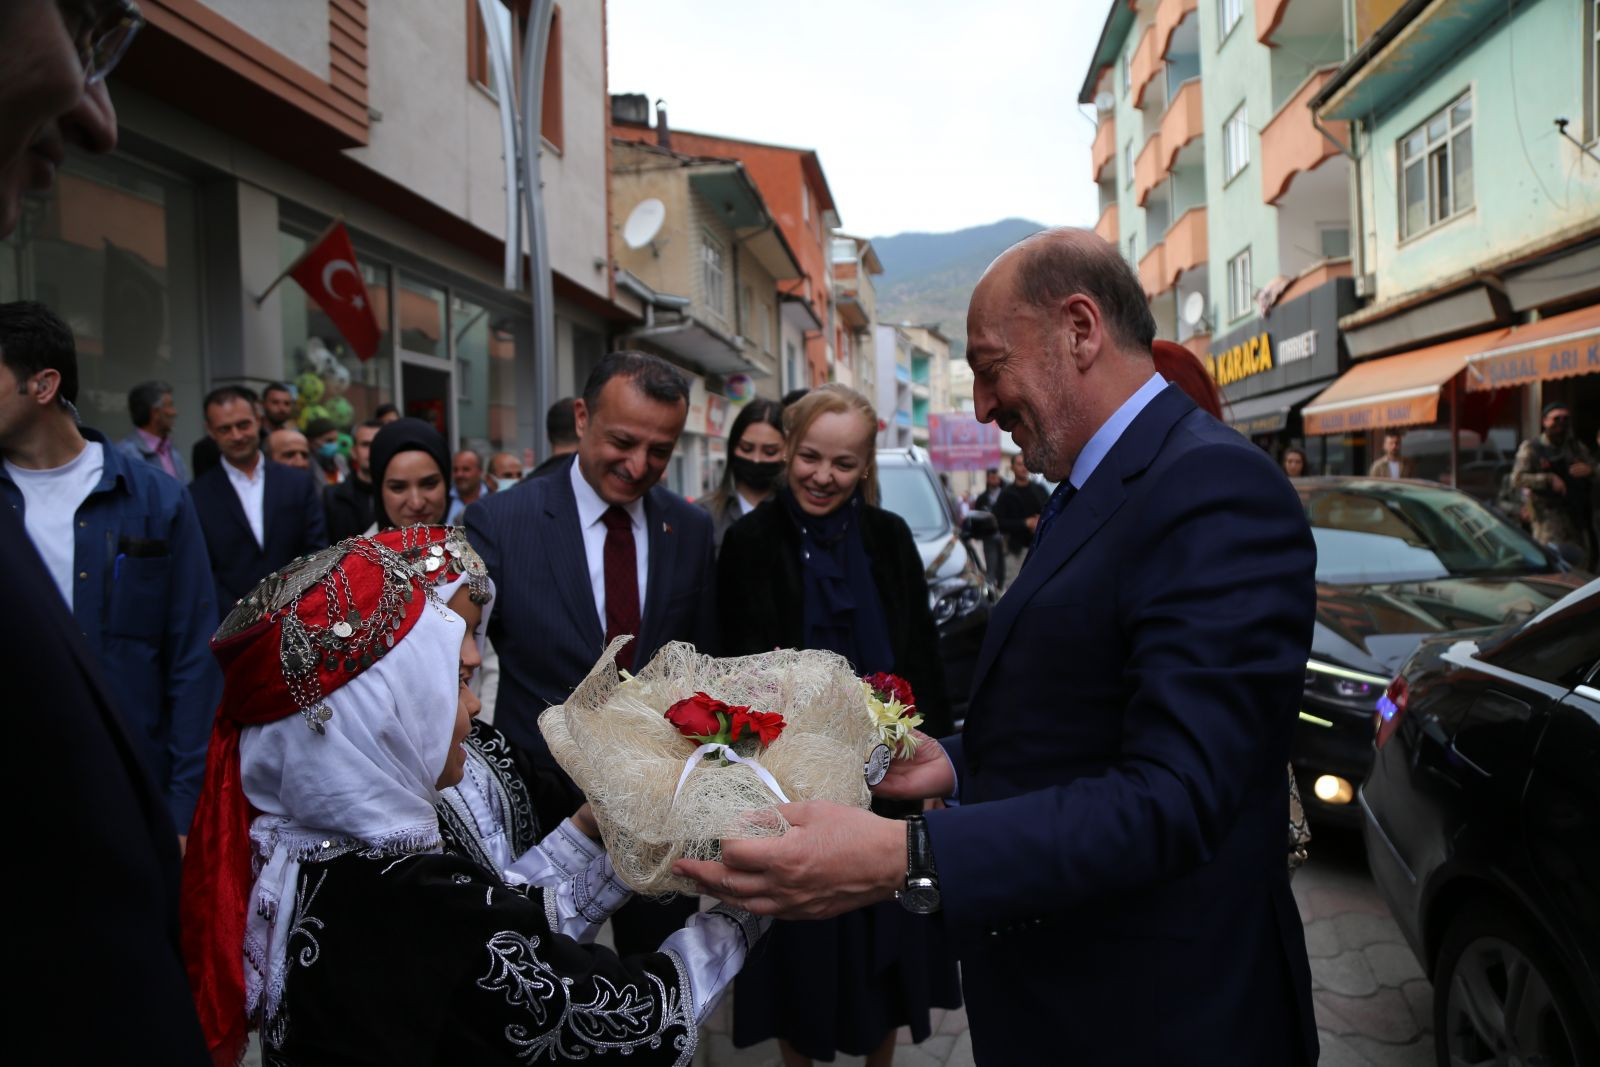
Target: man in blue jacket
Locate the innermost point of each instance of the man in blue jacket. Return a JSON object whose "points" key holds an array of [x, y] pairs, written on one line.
{"points": [[121, 541], [1115, 865]]}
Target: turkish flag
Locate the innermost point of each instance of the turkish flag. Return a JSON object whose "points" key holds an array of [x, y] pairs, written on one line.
{"points": [[328, 274]]}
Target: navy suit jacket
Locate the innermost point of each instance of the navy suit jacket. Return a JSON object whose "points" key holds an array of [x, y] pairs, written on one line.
{"points": [[1117, 865], [544, 624], [292, 525]]}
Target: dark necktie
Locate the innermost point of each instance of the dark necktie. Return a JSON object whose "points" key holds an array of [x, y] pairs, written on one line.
{"points": [[1052, 508], [622, 583]]}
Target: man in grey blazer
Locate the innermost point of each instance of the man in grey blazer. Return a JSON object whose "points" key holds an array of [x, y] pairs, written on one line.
{"points": [[589, 553]]}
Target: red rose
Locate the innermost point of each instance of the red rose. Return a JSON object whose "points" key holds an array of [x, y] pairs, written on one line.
{"points": [[696, 716], [766, 725], [892, 685]]}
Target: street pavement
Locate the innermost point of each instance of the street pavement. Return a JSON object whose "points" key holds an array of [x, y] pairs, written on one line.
{"points": [[1374, 1007]]}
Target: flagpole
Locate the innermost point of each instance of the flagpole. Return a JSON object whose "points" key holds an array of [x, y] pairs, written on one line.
{"points": [[310, 248]]}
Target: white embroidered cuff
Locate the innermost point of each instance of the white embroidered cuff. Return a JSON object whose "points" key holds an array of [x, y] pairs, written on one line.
{"points": [[713, 946]]}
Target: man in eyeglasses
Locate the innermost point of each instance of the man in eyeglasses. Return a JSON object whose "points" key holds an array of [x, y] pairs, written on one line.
{"points": [[1558, 472], [105, 812], [53, 65]]}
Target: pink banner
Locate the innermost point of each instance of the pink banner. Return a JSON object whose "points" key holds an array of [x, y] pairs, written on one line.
{"points": [[961, 443]]}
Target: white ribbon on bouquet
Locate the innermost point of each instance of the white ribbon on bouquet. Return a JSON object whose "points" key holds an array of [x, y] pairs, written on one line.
{"points": [[727, 753]]}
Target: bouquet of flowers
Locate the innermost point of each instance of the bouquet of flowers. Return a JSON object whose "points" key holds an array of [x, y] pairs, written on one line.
{"points": [[694, 749]]}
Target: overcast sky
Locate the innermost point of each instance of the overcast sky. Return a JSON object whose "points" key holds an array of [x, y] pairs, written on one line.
{"points": [[928, 115]]}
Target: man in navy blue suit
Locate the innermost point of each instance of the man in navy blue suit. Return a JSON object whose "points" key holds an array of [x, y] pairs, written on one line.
{"points": [[1114, 863], [257, 515], [585, 554]]}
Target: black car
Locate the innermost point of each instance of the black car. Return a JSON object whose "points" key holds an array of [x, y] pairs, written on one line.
{"points": [[1482, 823], [1397, 561], [958, 590]]}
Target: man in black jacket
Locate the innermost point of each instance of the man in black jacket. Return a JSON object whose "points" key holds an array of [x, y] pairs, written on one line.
{"points": [[994, 548], [1017, 510], [350, 505]]}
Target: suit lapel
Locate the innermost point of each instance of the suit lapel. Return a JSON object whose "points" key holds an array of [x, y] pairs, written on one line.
{"points": [[660, 543], [231, 502], [1088, 510], [569, 565]]}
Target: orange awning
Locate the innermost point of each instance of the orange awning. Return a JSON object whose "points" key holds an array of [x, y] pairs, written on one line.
{"points": [[1558, 347], [1398, 390]]}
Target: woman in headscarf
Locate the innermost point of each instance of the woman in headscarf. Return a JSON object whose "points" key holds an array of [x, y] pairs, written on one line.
{"points": [[357, 940], [755, 466], [819, 566], [410, 475]]}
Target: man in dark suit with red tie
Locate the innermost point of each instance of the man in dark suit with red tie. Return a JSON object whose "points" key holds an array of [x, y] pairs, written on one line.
{"points": [[592, 552]]}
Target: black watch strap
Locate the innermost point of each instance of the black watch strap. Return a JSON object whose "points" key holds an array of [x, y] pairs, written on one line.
{"points": [[919, 849]]}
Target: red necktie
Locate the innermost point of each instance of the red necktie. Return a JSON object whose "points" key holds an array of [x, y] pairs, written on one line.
{"points": [[622, 583]]}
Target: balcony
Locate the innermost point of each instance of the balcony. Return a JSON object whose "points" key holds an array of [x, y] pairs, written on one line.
{"points": [[1106, 228], [1105, 145], [1292, 20], [1145, 66], [1148, 169], [1290, 144], [1182, 123], [1169, 13], [1268, 14], [1186, 245], [1152, 271]]}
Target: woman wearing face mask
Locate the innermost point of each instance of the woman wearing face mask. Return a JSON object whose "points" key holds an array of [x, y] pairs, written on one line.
{"points": [[819, 566], [410, 475], [351, 937], [755, 466]]}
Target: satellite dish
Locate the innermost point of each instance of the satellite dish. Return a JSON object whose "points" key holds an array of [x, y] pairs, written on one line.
{"points": [[644, 222], [1194, 308], [1104, 103]]}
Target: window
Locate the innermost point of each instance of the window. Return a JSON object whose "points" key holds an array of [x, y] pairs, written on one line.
{"points": [[550, 102], [711, 273], [1240, 292], [1436, 168], [1229, 12], [480, 64], [1235, 143], [766, 328], [1334, 241], [486, 380], [744, 309], [311, 343], [1133, 249], [480, 68], [1127, 163]]}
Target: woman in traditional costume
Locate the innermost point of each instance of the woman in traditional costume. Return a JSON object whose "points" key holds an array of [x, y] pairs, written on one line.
{"points": [[317, 901], [821, 567]]}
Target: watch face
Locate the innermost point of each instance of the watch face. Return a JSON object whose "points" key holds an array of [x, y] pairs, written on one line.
{"points": [[920, 897]]}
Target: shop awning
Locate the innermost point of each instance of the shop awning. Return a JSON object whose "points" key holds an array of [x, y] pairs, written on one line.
{"points": [[1558, 347], [1398, 390], [1269, 413]]}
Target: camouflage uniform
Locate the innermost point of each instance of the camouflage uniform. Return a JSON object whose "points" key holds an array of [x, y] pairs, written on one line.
{"points": [[1558, 518]]}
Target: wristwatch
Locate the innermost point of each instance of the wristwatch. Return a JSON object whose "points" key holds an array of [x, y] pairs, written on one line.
{"points": [[921, 893]]}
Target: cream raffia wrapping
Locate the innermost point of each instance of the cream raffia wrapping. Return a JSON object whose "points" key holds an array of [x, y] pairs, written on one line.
{"points": [[612, 737]]}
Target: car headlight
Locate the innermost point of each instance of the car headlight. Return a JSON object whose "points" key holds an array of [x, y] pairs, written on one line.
{"points": [[1355, 690], [953, 598]]}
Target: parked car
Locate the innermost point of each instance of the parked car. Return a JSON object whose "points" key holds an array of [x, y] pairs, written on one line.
{"points": [[1482, 823], [958, 591], [1397, 561]]}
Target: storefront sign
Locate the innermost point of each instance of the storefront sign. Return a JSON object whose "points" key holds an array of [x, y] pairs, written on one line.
{"points": [[1242, 360], [1560, 357], [959, 442], [1397, 411], [1300, 346]]}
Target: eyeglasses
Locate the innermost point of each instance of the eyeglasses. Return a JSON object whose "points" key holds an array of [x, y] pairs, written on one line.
{"points": [[101, 32]]}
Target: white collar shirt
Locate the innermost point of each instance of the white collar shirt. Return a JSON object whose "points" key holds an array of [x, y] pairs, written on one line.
{"points": [[591, 511], [1111, 431], [745, 507], [251, 487]]}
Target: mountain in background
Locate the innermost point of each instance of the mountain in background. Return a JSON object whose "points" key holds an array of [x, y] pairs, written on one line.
{"points": [[928, 277]]}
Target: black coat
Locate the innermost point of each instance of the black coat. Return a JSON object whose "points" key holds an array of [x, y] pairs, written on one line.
{"points": [[350, 508], [291, 519], [108, 940], [1016, 505], [761, 603]]}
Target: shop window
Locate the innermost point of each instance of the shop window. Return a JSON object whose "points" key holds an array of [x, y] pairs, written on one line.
{"points": [[1436, 168], [1240, 291], [711, 273], [114, 253], [486, 380], [1235, 143], [1229, 12], [328, 378]]}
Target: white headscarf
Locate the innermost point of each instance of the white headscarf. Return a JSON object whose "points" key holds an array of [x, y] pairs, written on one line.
{"points": [[369, 781]]}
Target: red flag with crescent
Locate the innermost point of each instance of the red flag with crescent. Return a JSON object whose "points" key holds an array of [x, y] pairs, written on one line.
{"points": [[329, 275]]}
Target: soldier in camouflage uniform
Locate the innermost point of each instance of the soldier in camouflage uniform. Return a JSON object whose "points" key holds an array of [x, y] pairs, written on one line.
{"points": [[1557, 470]]}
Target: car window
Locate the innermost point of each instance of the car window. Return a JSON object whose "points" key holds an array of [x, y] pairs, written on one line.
{"points": [[1371, 532], [1560, 649], [914, 496]]}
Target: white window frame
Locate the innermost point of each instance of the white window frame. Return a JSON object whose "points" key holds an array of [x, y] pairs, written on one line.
{"points": [[1229, 12], [1235, 143], [1241, 287], [1432, 151], [713, 275]]}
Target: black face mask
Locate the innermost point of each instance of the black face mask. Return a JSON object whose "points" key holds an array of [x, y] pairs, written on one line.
{"points": [[758, 476]]}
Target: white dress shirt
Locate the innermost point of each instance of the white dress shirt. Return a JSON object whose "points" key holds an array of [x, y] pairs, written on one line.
{"points": [[251, 487], [591, 509]]}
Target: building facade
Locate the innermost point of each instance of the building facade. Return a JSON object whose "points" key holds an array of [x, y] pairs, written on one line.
{"points": [[855, 302], [892, 349]]}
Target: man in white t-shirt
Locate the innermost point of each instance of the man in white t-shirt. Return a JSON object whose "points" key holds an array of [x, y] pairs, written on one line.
{"points": [[122, 545]]}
